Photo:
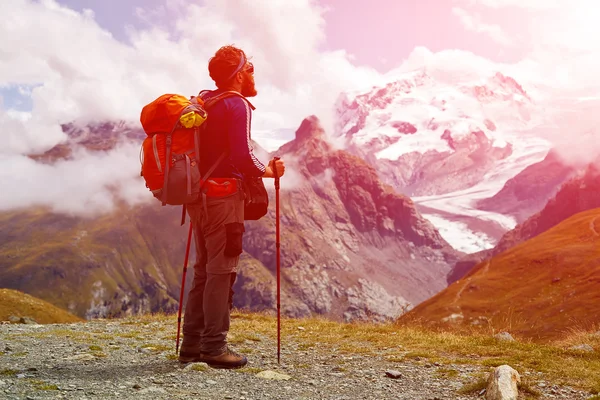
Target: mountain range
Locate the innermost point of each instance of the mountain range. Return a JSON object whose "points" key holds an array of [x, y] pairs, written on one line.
{"points": [[450, 143], [351, 246], [427, 185]]}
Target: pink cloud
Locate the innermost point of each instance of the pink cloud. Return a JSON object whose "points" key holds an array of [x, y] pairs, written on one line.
{"points": [[474, 23], [529, 4]]}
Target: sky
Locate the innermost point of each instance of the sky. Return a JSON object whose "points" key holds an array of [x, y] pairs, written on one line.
{"points": [[379, 36], [403, 24], [86, 61]]}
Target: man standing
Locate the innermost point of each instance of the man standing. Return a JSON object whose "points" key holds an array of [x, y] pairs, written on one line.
{"points": [[219, 221]]}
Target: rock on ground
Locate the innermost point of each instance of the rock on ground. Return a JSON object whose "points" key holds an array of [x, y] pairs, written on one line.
{"points": [[503, 384]]}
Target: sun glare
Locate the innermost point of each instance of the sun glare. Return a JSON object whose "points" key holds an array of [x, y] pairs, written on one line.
{"points": [[582, 30]]}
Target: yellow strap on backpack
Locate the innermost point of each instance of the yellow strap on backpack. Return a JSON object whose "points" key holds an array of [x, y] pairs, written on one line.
{"points": [[191, 119]]}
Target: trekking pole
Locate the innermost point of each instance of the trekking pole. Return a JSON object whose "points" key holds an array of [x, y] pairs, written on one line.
{"points": [[185, 262], [278, 260]]}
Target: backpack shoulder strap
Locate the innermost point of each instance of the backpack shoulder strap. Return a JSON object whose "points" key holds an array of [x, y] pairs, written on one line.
{"points": [[209, 103], [213, 100]]}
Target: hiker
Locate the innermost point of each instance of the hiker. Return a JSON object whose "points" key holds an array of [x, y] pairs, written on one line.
{"points": [[219, 221]]}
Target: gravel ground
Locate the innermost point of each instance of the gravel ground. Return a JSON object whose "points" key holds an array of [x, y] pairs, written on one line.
{"points": [[125, 360]]}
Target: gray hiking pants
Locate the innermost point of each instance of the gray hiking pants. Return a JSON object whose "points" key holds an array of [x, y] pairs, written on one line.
{"points": [[218, 229]]}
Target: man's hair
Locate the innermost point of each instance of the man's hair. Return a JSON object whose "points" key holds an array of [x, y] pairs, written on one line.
{"points": [[224, 63]]}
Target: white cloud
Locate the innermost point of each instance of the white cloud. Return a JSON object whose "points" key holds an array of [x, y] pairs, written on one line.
{"points": [[528, 4], [23, 133], [22, 116], [80, 72], [450, 66], [560, 66], [559, 37], [86, 185], [24, 90], [474, 23], [572, 124]]}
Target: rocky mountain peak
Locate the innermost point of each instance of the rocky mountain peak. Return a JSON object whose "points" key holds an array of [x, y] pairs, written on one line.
{"points": [[310, 128], [310, 142], [368, 204]]}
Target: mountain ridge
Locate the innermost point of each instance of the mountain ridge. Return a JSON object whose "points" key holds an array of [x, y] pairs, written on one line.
{"points": [[338, 223]]}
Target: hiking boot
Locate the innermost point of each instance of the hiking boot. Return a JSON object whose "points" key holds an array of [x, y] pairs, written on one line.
{"points": [[189, 357], [229, 359]]}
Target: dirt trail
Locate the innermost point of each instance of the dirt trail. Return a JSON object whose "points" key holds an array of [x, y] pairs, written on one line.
{"points": [[484, 271], [593, 226]]}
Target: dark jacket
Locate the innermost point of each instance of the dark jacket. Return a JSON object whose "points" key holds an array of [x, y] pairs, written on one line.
{"points": [[228, 130]]}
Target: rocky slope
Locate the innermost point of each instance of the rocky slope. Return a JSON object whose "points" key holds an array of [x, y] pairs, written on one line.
{"points": [[521, 198], [351, 247], [580, 193]]}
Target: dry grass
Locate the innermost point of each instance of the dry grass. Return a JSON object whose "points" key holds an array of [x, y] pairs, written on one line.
{"points": [[42, 385], [71, 334], [199, 367], [447, 372], [8, 372], [528, 390], [554, 360], [156, 348], [19, 304], [474, 387], [249, 370]]}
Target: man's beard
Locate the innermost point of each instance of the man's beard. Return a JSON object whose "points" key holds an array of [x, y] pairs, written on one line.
{"points": [[248, 89]]}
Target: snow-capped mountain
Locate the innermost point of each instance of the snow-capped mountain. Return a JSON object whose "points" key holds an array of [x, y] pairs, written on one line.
{"points": [[448, 143]]}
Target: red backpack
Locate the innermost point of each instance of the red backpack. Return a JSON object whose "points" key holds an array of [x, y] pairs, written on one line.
{"points": [[172, 124]]}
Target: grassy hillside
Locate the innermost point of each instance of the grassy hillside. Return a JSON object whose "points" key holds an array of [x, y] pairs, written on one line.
{"points": [[18, 304], [544, 288], [117, 264]]}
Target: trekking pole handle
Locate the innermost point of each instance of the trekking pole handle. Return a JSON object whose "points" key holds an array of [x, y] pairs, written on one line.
{"points": [[275, 172]]}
